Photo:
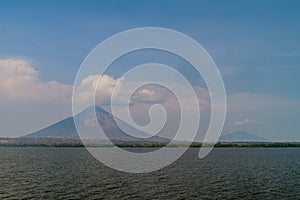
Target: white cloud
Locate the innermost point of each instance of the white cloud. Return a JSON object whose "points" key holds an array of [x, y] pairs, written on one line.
{"points": [[151, 93], [28, 101], [20, 82], [203, 97], [245, 122], [103, 85]]}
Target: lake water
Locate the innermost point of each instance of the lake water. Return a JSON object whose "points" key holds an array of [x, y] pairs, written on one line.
{"points": [[71, 173]]}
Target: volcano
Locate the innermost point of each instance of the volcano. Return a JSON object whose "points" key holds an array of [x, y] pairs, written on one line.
{"points": [[66, 128]]}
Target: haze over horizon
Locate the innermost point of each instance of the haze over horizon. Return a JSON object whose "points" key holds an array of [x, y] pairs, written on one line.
{"points": [[254, 44]]}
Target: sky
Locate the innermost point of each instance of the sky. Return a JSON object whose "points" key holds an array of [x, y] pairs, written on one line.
{"points": [[255, 45]]}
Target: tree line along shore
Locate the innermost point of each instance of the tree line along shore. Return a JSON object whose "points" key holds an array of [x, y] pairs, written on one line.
{"points": [[65, 142]]}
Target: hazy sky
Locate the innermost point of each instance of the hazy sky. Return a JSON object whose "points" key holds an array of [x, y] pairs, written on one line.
{"points": [[255, 44]]}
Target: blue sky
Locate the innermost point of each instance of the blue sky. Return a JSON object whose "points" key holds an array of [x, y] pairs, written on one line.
{"points": [[255, 44]]}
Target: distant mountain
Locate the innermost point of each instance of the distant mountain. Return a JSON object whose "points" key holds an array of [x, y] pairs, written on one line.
{"points": [[66, 128], [63, 129], [241, 136]]}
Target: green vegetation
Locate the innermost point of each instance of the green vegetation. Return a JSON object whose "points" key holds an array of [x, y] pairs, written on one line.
{"points": [[42, 145], [64, 142], [257, 145]]}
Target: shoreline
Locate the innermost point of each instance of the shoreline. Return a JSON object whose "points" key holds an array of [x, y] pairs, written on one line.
{"points": [[159, 145]]}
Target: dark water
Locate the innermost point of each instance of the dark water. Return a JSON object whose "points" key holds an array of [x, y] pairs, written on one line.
{"points": [[71, 173]]}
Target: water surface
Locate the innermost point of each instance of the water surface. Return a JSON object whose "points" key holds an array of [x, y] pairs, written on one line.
{"points": [[229, 173]]}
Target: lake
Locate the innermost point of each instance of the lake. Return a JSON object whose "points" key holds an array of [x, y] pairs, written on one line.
{"points": [[226, 173]]}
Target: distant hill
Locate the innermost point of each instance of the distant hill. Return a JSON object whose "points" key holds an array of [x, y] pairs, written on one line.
{"points": [[241, 136], [66, 128]]}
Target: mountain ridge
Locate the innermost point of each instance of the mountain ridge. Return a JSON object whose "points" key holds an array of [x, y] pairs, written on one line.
{"points": [[241, 136]]}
